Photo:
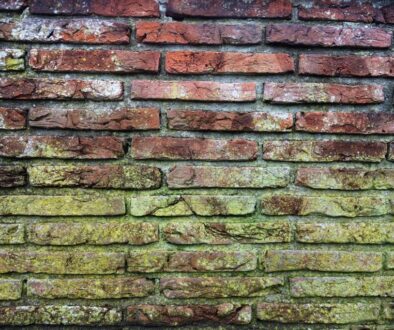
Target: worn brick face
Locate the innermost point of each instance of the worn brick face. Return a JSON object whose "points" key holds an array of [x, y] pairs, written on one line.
{"points": [[12, 118], [12, 176]]}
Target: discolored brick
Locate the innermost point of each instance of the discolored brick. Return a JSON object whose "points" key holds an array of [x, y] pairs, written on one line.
{"points": [[12, 233], [12, 118], [10, 289], [12, 59], [13, 4], [12, 176]]}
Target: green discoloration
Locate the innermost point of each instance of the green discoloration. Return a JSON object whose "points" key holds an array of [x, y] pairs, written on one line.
{"points": [[12, 234], [10, 289]]}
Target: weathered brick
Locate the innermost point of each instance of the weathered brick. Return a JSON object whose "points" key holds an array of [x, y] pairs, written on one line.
{"points": [[85, 288], [191, 62], [324, 151], [125, 8], [228, 177], [391, 152], [327, 36], [174, 148], [10, 289], [353, 232], [348, 65], [327, 261], [227, 233], [12, 118], [72, 147], [389, 260], [12, 176], [179, 205], [61, 205], [12, 233], [124, 119], [12, 59], [59, 315], [202, 261], [386, 14], [198, 34], [208, 91], [79, 60], [219, 287], [344, 178], [89, 31], [334, 313], [224, 8], [204, 120], [95, 233], [328, 205], [322, 93], [345, 122], [176, 315], [61, 262], [95, 176], [13, 4], [377, 286], [388, 311]]}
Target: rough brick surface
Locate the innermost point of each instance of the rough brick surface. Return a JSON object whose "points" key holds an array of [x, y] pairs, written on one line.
{"points": [[12, 176], [12, 60], [12, 118], [13, 4]]}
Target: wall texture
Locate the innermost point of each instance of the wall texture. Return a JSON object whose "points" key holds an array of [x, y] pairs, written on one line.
{"points": [[195, 163]]}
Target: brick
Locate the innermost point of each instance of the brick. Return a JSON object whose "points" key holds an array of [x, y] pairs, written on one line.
{"points": [[227, 177], [66, 147], [12, 176], [345, 122], [388, 311], [198, 34], [174, 148], [85, 288], [13, 4], [12, 233], [189, 62], [60, 89], [202, 261], [219, 287], [124, 119], [59, 315], [322, 93], [95, 176], [125, 8], [61, 205], [328, 205], [391, 152], [12, 59], [207, 91], [326, 261], [386, 14], [227, 233], [182, 205], [353, 232], [324, 151], [89, 31], [344, 66], [94, 233], [79, 60], [176, 315], [343, 178], [235, 9], [12, 118], [389, 260], [333, 313], [61, 262], [10, 289], [327, 36], [203, 120], [377, 286]]}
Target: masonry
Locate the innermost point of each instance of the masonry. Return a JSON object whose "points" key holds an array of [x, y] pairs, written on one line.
{"points": [[196, 164]]}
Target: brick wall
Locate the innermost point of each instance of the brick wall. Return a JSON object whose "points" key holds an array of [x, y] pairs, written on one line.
{"points": [[197, 162]]}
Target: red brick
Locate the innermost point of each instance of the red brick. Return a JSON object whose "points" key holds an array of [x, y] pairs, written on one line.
{"points": [[173, 148], [322, 93], [203, 120], [346, 122], [101, 147], [126, 8], [67, 60], [193, 91], [225, 8], [357, 66], [88, 31], [324, 151], [13, 4], [386, 14], [60, 89], [188, 62], [205, 34], [12, 118], [327, 36], [85, 119], [12, 176]]}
